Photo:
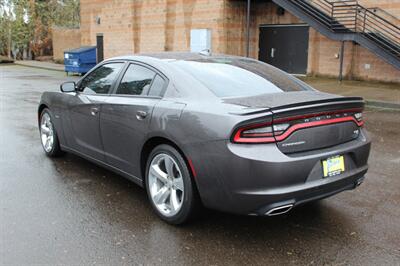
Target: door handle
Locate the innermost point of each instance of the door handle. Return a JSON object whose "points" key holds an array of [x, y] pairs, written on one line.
{"points": [[273, 52], [140, 115], [94, 110]]}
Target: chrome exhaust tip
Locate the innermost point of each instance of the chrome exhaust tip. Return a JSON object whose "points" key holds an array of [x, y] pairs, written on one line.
{"points": [[359, 182], [279, 210]]}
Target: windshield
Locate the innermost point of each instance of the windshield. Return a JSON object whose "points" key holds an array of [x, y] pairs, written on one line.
{"points": [[227, 77]]}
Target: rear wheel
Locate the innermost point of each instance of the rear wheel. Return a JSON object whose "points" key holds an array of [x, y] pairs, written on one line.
{"points": [[48, 134], [169, 185]]}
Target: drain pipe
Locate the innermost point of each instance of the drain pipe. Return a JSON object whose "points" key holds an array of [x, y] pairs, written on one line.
{"points": [[341, 62], [248, 29]]}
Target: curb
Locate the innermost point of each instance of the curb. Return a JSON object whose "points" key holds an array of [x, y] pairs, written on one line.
{"points": [[40, 67]]}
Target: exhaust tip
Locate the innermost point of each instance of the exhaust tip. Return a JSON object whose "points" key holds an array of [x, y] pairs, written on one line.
{"points": [[279, 210], [359, 182]]}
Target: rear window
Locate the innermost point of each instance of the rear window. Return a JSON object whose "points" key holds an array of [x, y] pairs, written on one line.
{"points": [[240, 77]]}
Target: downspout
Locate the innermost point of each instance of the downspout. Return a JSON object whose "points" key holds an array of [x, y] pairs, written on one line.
{"points": [[341, 62], [248, 29]]}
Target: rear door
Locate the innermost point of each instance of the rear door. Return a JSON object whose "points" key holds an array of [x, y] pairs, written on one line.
{"points": [[85, 106], [126, 116]]}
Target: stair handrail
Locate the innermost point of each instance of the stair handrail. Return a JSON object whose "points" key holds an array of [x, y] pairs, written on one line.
{"points": [[381, 18], [355, 7], [378, 9], [349, 15]]}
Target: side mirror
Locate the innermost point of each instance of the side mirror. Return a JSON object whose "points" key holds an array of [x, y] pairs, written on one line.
{"points": [[69, 86]]}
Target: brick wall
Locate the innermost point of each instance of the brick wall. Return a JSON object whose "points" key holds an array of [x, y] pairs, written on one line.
{"points": [[149, 26], [164, 25], [64, 39], [116, 25], [359, 63]]}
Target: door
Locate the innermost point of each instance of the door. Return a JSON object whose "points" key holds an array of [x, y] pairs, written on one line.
{"points": [[285, 47], [126, 117], [100, 47], [85, 107]]}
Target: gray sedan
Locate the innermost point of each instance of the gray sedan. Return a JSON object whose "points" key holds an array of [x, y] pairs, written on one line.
{"points": [[228, 133]]}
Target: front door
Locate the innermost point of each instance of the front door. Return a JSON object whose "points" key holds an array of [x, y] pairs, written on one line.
{"points": [[285, 47], [126, 117], [85, 109]]}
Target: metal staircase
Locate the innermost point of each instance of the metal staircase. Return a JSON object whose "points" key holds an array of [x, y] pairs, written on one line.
{"points": [[346, 20]]}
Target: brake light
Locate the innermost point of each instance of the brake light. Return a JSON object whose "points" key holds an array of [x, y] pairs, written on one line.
{"points": [[284, 127], [256, 133]]}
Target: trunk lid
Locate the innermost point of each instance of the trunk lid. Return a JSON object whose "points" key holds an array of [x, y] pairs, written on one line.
{"points": [[308, 120]]}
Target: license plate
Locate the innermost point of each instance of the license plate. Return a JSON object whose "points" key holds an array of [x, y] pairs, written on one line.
{"points": [[333, 166]]}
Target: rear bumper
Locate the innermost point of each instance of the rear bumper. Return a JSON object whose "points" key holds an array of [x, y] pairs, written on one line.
{"points": [[253, 179], [296, 195]]}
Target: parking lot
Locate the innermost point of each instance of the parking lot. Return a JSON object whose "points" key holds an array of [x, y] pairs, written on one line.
{"points": [[70, 211]]}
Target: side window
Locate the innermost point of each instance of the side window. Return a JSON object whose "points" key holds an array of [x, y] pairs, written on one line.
{"points": [[101, 79], [157, 87], [136, 81]]}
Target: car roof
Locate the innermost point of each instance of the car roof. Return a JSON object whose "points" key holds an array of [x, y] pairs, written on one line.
{"points": [[161, 61], [172, 56]]}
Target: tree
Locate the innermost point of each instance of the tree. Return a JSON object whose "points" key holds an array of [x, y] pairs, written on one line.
{"points": [[47, 14], [5, 28], [21, 28], [4, 35], [27, 24]]}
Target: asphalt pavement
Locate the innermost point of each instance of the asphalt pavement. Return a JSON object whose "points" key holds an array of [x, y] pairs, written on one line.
{"points": [[70, 211]]}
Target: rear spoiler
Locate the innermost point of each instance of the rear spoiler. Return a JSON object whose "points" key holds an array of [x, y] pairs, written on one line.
{"points": [[324, 102], [340, 103], [250, 111]]}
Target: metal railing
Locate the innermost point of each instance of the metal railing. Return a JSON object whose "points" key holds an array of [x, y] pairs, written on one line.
{"points": [[392, 18], [347, 16]]}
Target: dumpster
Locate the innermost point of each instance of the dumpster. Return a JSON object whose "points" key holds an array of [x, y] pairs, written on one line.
{"points": [[80, 60]]}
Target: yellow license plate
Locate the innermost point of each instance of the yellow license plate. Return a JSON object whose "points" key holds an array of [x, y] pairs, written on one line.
{"points": [[333, 166]]}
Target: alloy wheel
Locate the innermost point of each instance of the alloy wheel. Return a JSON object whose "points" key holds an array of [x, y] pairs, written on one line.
{"points": [[46, 132], [166, 184]]}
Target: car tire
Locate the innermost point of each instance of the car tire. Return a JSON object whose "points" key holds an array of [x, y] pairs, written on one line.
{"points": [[51, 145], [179, 206]]}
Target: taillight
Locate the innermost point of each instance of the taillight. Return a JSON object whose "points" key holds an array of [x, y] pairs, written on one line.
{"points": [[284, 127], [255, 133]]}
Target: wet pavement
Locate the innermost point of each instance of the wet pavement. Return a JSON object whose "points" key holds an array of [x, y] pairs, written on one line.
{"points": [[70, 211]]}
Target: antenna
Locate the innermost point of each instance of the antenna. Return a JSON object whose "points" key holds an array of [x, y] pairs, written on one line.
{"points": [[206, 52]]}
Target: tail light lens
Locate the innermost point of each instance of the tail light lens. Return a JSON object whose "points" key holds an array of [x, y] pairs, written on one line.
{"points": [[284, 127], [256, 133]]}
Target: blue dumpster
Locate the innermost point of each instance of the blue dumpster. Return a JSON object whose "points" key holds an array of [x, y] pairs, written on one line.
{"points": [[80, 60]]}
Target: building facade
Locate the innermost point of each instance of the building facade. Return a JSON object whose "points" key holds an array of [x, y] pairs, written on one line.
{"points": [[64, 39], [140, 26]]}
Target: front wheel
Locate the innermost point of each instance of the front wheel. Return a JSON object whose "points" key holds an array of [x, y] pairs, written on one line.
{"points": [[48, 134], [169, 185]]}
